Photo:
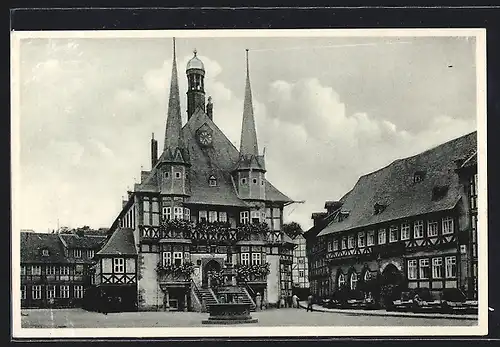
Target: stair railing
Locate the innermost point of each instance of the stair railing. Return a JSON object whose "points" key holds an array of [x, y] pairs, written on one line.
{"points": [[198, 294]]}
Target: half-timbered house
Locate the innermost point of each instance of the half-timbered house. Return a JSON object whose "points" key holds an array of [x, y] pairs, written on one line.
{"points": [[203, 208], [412, 224]]}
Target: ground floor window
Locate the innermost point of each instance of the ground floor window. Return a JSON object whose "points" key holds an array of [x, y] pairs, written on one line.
{"points": [[78, 292], [451, 267], [65, 291], [354, 280], [23, 292], [341, 280], [51, 292], [36, 292]]}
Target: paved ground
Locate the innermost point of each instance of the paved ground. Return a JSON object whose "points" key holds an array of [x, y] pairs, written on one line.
{"points": [[78, 318]]}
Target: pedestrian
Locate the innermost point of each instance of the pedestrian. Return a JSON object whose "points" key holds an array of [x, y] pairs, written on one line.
{"points": [[295, 301], [282, 301], [104, 304], [258, 302], [309, 303]]}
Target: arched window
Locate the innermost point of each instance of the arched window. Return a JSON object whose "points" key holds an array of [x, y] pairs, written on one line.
{"points": [[368, 276], [354, 280], [341, 280]]}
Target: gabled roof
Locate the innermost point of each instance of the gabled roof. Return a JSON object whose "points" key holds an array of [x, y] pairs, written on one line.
{"points": [[121, 242], [83, 242], [393, 186], [32, 245]]}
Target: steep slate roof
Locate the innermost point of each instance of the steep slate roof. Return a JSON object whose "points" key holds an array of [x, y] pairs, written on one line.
{"points": [[394, 187], [83, 242], [121, 242], [32, 245], [219, 160]]}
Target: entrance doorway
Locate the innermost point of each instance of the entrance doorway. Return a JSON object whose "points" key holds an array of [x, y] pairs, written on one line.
{"points": [[211, 266], [391, 284]]}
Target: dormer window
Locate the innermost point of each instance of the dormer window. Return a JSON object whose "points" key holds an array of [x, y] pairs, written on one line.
{"points": [[343, 215], [45, 252], [77, 253], [378, 208], [439, 192], [418, 176], [212, 181]]}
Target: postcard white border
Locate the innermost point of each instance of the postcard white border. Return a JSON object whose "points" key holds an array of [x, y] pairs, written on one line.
{"points": [[256, 331]]}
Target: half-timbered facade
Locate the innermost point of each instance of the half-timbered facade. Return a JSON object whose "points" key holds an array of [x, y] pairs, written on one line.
{"points": [[411, 224], [55, 268], [204, 207]]}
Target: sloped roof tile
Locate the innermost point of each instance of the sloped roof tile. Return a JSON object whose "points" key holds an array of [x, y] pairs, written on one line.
{"points": [[394, 187], [32, 245], [121, 242]]}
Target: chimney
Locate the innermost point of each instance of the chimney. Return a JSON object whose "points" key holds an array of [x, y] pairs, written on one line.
{"points": [[210, 108], [154, 151]]}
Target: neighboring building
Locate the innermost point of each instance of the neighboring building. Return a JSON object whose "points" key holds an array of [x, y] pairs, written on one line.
{"points": [[203, 207], [300, 271], [411, 224], [55, 268]]}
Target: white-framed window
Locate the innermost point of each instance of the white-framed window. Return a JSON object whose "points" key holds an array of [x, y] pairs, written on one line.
{"points": [[301, 273], [51, 270], [350, 240], [187, 213], [330, 246], [381, 237], [418, 229], [51, 292], [425, 269], [202, 216], [244, 217], [361, 240], [178, 174], [36, 270], [65, 291], [64, 270], [256, 258], [178, 213], [223, 217], [370, 240], [437, 267], [354, 280], [166, 258], [118, 265], [341, 280], [36, 292], [77, 253], [451, 267], [344, 242], [255, 216], [187, 257], [23, 292], [45, 252], [166, 213], [393, 233], [245, 258], [178, 258], [412, 269], [447, 225], [212, 181], [405, 231], [432, 228], [23, 270], [368, 276], [90, 253], [78, 291], [146, 212], [212, 216], [335, 245]]}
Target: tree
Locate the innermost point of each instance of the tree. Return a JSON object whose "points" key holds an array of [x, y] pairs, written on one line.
{"points": [[292, 229]]}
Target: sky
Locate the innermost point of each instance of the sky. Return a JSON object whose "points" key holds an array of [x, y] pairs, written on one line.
{"points": [[328, 110]]}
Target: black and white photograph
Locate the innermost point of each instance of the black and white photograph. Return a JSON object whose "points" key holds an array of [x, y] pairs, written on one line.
{"points": [[249, 183]]}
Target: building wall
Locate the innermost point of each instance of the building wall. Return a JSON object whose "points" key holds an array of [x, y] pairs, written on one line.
{"points": [[273, 279], [150, 294]]}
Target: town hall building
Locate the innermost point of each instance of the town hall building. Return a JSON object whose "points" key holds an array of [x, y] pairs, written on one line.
{"points": [[204, 208]]}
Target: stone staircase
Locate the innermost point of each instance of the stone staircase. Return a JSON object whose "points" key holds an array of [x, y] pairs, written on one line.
{"points": [[207, 297]]}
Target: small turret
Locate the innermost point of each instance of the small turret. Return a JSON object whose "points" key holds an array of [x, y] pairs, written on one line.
{"points": [[195, 71]]}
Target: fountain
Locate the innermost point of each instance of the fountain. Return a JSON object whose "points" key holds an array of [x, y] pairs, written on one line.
{"points": [[230, 309]]}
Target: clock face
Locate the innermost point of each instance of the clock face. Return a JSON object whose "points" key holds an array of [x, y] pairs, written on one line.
{"points": [[205, 138]]}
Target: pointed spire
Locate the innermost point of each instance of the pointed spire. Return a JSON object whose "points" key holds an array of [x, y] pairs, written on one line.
{"points": [[174, 122], [248, 145]]}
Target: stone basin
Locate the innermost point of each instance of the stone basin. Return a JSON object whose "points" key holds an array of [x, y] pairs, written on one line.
{"points": [[229, 313]]}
